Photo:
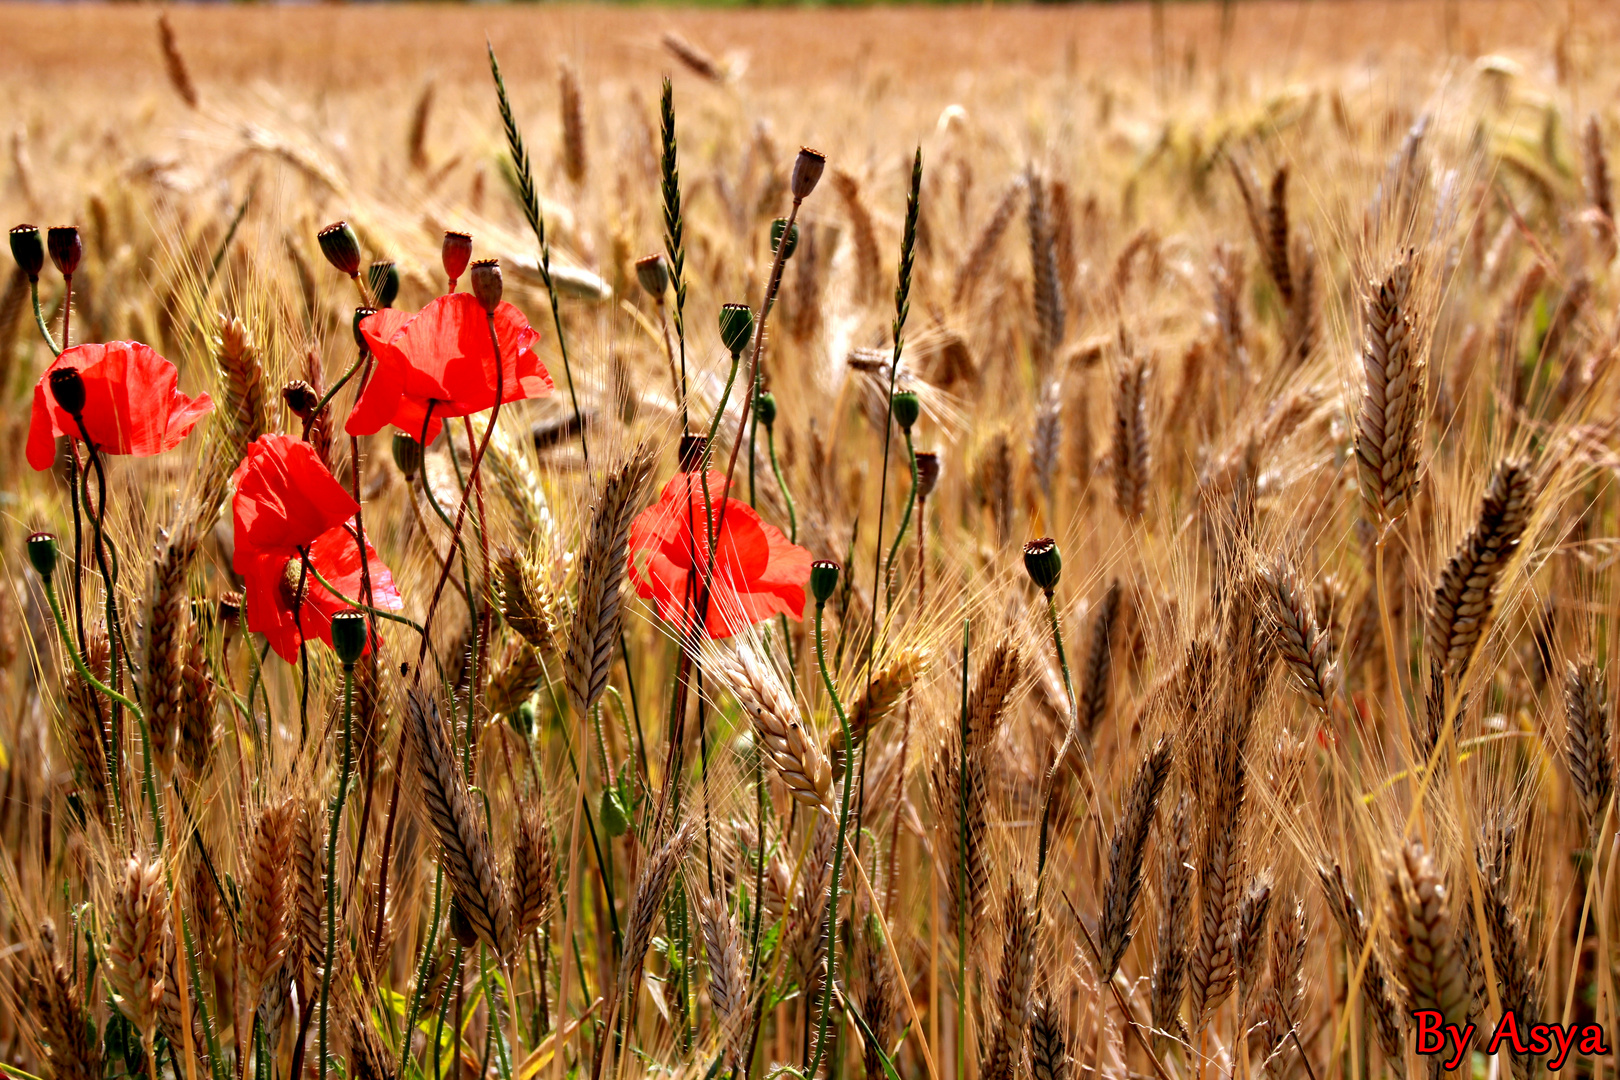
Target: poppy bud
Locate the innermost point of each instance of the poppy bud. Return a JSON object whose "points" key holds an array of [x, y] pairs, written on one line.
{"points": [[823, 579], [230, 607], [610, 813], [28, 249], [461, 928], [1044, 563], [486, 283], [652, 273], [765, 407], [383, 277], [927, 473], [777, 227], [349, 636], [407, 454], [67, 387], [341, 247], [736, 327], [361, 314], [65, 247], [42, 553], [693, 447], [456, 253], [300, 399], [806, 171], [906, 407]]}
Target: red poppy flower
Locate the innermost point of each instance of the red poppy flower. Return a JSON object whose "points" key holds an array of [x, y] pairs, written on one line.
{"points": [[287, 506], [757, 572], [441, 355], [131, 404]]}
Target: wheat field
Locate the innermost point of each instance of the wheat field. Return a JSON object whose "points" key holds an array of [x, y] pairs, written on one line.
{"points": [[1105, 566]]}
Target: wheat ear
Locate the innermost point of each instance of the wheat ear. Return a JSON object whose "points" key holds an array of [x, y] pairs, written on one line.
{"points": [[140, 916], [1013, 985], [1587, 749], [594, 630], [1125, 856], [1391, 415], [777, 721], [1436, 975], [463, 844]]}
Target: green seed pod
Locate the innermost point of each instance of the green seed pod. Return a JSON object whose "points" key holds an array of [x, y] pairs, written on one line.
{"points": [[823, 579], [341, 247], [28, 249], [736, 327], [907, 408], [361, 314], [349, 636], [765, 406], [777, 228], [1043, 562], [407, 454], [522, 720], [383, 277], [42, 553]]}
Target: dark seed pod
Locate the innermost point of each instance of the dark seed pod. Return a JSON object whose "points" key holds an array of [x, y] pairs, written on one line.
{"points": [[28, 249], [42, 553], [456, 253], [1043, 562], [383, 277], [486, 283], [807, 168], [341, 247], [66, 248], [67, 387], [823, 579]]}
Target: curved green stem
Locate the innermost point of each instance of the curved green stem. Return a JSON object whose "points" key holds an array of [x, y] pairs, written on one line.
{"points": [[838, 849], [367, 608], [905, 521], [78, 661], [326, 399], [39, 318], [331, 861], [1063, 750], [787, 496]]}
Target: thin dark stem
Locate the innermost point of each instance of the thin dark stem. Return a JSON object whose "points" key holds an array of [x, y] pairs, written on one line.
{"points": [[838, 850], [331, 861]]}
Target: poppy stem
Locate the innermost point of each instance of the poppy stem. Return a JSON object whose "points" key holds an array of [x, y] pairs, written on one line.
{"points": [[376, 612], [326, 398], [1050, 783], [331, 861], [67, 311], [905, 521], [78, 661], [838, 850], [39, 318], [781, 485]]}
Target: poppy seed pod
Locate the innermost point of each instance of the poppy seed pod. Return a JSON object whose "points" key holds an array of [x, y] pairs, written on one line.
{"points": [[361, 314], [341, 247], [349, 636], [765, 407], [1044, 563], [383, 277], [230, 607], [28, 249], [652, 274], [807, 171], [42, 553], [456, 252], [693, 447], [927, 473], [907, 408], [66, 248], [736, 327], [486, 283], [777, 228], [823, 579], [407, 454], [300, 399], [67, 387]]}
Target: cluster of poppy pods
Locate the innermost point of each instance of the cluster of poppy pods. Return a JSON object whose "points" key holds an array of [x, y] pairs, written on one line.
{"points": [[299, 546]]}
